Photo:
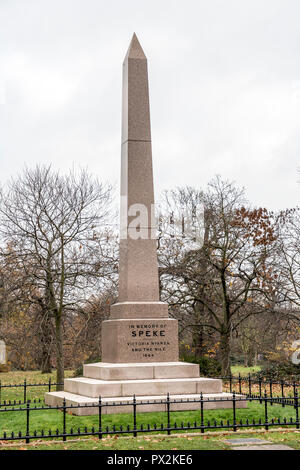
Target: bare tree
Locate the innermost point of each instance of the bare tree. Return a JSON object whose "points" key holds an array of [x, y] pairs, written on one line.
{"points": [[56, 226], [231, 276], [289, 260]]}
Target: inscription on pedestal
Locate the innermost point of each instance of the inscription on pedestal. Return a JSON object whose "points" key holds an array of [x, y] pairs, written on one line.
{"points": [[140, 340], [148, 339]]}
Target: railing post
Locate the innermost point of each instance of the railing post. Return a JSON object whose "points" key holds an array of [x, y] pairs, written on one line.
{"points": [[266, 412], [100, 417], [271, 391], [64, 419], [282, 393], [240, 383], [134, 416], [202, 413], [234, 411], [249, 383], [259, 385], [27, 422], [230, 383], [25, 391], [168, 412], [297, 409], [49, 384]]}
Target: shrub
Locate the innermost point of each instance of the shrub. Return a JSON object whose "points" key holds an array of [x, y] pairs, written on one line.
{"points": [[4, 368], [209, 366], [279, 371]]}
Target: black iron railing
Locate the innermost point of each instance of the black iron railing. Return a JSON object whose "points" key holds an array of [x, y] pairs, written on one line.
{"points": [[25, 386], [249, 386], [233, 424]]}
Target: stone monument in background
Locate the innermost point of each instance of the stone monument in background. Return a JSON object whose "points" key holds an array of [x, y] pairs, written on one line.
{"points": [[139, 340], [2, 352]]}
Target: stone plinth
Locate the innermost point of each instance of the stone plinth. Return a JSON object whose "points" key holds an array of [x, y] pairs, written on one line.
{"points": [[148, 381], [223, 402], [157, 387], [140, 371], [140, 340]]}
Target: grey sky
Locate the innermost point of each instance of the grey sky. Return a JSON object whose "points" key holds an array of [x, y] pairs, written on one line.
{"points": [[224, 89]]}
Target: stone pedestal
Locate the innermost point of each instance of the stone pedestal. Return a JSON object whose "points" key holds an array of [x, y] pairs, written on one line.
{"points": [[140, 340]]}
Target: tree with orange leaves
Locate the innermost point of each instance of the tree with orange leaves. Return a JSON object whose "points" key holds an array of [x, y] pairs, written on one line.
{"points": [[232, 276]]}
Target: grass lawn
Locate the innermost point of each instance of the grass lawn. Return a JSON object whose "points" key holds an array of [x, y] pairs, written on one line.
{"points": [[31, 377], [52, 419], [244, 371], [208, 441]]}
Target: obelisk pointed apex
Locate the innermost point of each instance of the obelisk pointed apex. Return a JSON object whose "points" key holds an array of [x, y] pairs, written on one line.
{"points": [[135, 50]]}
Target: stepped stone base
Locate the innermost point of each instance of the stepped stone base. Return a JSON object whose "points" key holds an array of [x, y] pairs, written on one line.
{"points": [[140, 370], [223, 401], [149, 382]]}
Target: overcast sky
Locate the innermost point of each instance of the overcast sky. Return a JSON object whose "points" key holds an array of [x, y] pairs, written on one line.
{"points": [[224, 89]]}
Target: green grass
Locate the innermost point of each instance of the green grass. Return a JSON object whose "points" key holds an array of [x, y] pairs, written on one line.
{"points": [[244, 371], [52, 419], [31, 377], [208, 441]]}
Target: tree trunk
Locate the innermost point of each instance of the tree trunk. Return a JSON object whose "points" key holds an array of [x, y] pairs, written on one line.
{"points": [[46, 336], [251, 357], [46, 361], [225, 353], [255, 358], [198, 342], [59, 353]]}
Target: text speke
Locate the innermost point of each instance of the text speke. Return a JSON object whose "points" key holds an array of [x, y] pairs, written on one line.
{"points": [[148, 333]]}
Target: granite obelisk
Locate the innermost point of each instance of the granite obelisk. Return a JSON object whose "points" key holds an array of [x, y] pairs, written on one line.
{"points": [[139, 341], [139, 329]]}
